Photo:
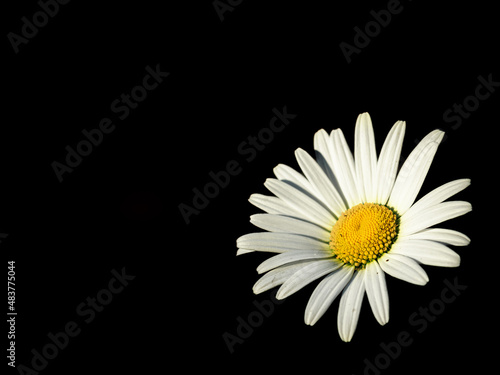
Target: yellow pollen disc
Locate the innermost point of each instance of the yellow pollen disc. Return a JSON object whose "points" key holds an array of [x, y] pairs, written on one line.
{"points": [[363, 233]]}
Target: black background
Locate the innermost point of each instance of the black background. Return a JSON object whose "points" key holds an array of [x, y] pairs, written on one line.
{"points": [[119, 207]]}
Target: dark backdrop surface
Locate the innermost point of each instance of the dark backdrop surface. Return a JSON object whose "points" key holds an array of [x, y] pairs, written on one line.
{"points": [[115, 114]]}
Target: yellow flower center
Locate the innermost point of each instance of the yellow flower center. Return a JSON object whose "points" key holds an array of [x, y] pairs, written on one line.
{"points": [[363, 233]]}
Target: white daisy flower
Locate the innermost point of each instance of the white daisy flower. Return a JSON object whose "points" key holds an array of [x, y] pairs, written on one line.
{"points": [[351, 219]]}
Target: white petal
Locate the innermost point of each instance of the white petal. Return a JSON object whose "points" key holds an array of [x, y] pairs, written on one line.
{"points": [[278, 276], [320, 181], [376, 290], [272, 205], [287, 224], [365, 156], [279, 242], [413, 172], [291, 256], [411, 178], [244, 251], [308, 207], [432, 216], [388, 161], [403, 268], [324, 157], [306, 275], [427, 252], [344, 168], [324, 294], [436, 196], [292, 177], [350, 306], [447, 236]]}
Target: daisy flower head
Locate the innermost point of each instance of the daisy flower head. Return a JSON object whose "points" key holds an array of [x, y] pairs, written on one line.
{"points": [[350, 220]]}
